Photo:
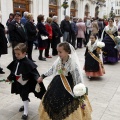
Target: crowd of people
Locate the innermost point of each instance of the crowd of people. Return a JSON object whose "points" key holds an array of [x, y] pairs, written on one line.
{"points": [[58, 101]]}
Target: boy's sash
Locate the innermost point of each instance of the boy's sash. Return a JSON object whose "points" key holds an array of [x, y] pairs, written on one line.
{"points": [[98, 60]]}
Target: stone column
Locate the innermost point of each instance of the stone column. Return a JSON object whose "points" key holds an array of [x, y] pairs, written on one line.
{"points": [[35, 10], [0, 12], [59, 12], [4, 11], [30, 6], [83, 9]]}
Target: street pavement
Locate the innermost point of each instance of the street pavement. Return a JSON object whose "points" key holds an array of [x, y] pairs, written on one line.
{"points": [[104, 92]]}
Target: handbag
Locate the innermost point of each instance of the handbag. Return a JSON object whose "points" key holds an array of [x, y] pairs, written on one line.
{"points": [[44, 37]]}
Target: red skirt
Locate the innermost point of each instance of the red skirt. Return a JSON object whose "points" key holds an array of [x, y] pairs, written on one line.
{"points": [[96, 74]]}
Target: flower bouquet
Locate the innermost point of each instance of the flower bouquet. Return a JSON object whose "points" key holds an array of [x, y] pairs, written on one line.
{"points": [[80, 91], [3, 80], [117, 40], [100, 45]]}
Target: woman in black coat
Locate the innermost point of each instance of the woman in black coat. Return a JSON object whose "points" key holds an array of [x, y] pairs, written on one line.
{"points": [[31, 33], [3, 44], [42, 44], [56, 35]]}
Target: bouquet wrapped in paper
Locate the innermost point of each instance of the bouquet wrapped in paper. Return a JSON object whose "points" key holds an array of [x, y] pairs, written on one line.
{"points": [[117, 40]]}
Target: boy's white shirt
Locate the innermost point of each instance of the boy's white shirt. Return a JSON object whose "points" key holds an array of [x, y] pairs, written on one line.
{"points": [[20, 80]]}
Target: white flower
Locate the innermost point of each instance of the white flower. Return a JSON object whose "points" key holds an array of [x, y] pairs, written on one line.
{"points": [[100, 44], [79, 89]]}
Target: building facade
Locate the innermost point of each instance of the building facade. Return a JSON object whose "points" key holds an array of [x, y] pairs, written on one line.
{"points": [[76, 8], [114, 6]]}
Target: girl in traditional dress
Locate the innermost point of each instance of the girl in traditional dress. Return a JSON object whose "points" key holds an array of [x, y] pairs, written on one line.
{"points": [[93, 63], [59, 102], [110, 54]]}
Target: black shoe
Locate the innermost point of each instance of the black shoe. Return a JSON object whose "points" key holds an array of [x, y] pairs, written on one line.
{"points": [[33, 60], [24, 117], [21, 109], [2, 72], [41, 58], [1, 68]]}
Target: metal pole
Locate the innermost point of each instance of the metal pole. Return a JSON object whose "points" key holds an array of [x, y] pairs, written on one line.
{"points": [[65, 8], [65, 12]]}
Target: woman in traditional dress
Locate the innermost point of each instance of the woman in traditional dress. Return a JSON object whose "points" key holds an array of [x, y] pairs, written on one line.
{"points": [[93, 64], [110, 54], [59, 102]]}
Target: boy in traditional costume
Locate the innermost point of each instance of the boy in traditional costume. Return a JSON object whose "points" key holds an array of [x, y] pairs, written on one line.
{"points": [[24, 74]]}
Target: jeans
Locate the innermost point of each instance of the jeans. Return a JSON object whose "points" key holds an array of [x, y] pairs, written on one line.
{"points": [[66, 37]]}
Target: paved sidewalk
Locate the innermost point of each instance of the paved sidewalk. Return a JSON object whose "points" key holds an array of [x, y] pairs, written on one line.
{"points": [[104, 92]]}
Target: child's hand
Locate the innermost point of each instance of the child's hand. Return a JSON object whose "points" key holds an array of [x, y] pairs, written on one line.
{"points": [[40, 79]]}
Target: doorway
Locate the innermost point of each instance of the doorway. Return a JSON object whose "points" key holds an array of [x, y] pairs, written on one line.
{"points": [[20, 6], [53, 8]]}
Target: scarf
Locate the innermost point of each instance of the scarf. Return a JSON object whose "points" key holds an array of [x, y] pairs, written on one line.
{"points": [[92, 47]]}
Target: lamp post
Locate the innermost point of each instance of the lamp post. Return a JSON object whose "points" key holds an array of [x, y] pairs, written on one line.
{"points": [[65, 6], [112, 14]]}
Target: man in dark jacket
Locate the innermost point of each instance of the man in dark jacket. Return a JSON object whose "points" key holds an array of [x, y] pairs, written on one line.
{"points": [[17, 31], [66, 29], [74, 30], [101, 27], [31, 33]]}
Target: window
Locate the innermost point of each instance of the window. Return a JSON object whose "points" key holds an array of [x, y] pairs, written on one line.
{"points": [[20, 6], [53, 2], [117, 3], [73, 9], [53, 8], [116, 11]]}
